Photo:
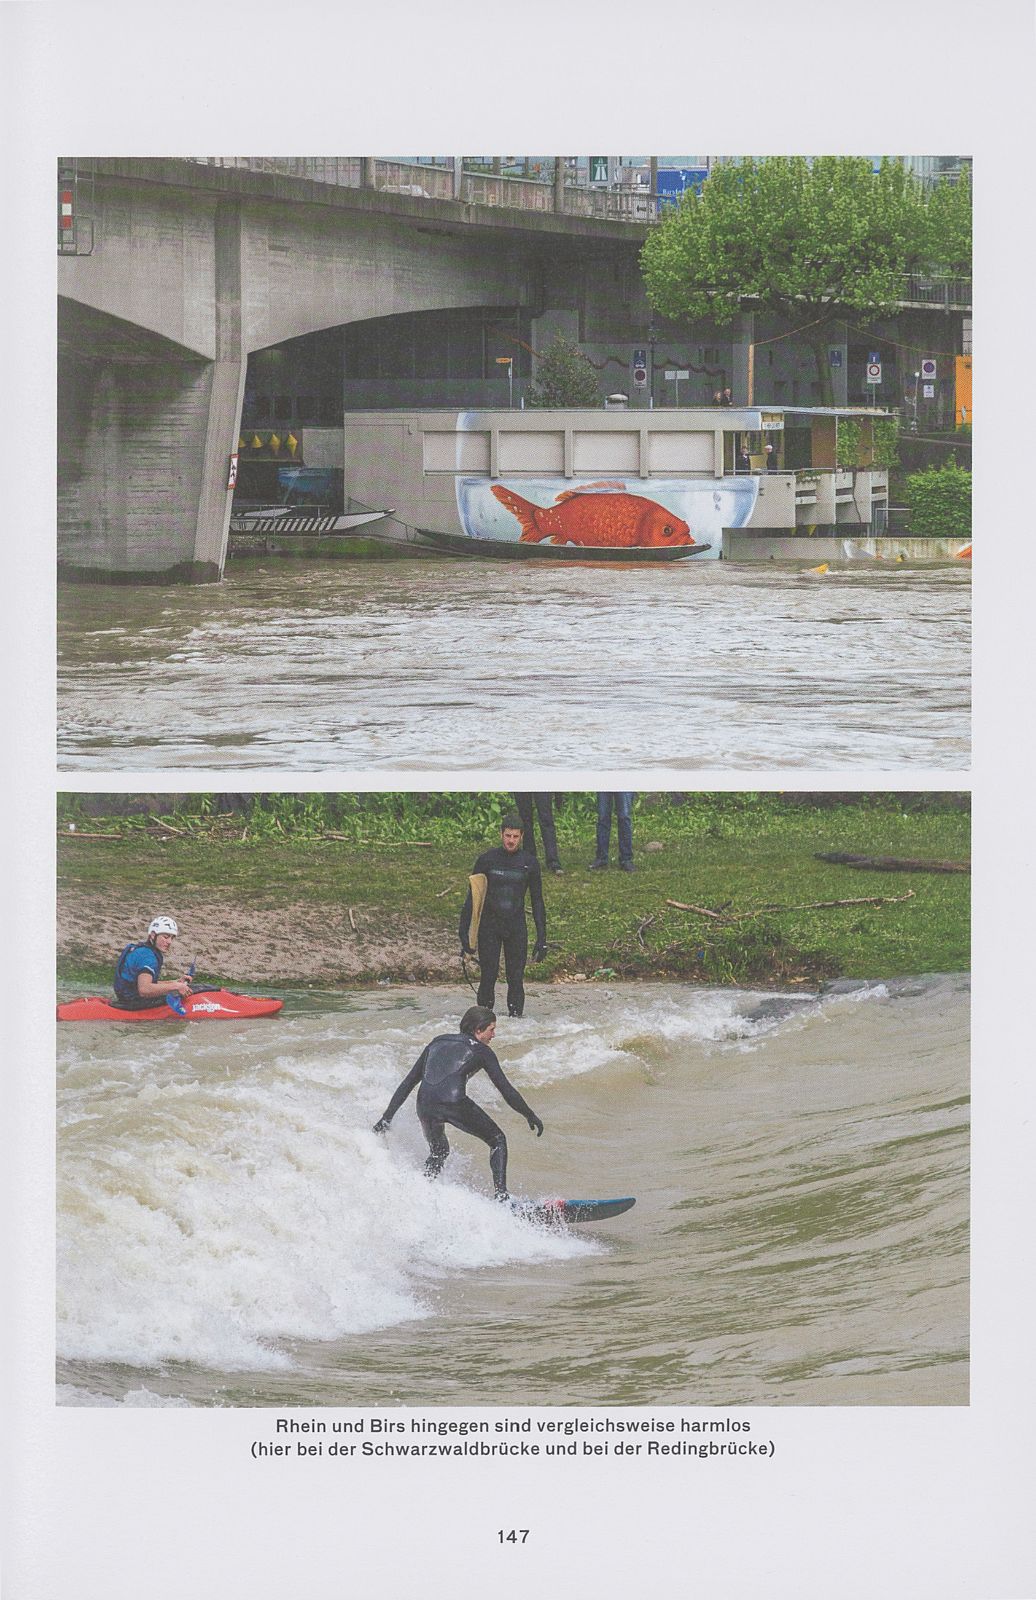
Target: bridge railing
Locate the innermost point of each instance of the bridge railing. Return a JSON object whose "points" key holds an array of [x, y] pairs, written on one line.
{"points": [[924, 289], [431, 182]]}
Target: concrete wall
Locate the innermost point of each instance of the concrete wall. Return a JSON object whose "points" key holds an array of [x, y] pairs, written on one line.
{"points": [[141, 488]]}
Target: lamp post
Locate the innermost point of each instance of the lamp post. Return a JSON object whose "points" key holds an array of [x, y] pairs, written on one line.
{"points": [[652, 337], [508, 362]]}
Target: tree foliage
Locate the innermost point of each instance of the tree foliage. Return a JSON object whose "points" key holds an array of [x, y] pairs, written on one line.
{"points": [[850, 442], [886, 441], [939, 501], [564, 377], [948, 223], [810, 240]]}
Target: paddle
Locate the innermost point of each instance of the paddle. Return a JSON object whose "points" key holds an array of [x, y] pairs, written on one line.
{"points": [[175, 1001]]}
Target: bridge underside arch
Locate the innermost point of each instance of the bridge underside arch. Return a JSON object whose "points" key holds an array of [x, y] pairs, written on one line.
{"points": [[441, 357]]}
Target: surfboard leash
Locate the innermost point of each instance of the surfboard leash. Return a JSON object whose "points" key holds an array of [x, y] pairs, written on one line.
{"points": [[467, 979]]}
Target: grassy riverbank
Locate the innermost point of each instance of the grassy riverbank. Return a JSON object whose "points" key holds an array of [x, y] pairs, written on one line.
{"points": [[343, 889]]}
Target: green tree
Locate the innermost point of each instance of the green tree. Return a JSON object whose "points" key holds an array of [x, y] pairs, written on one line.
{"points": [[948, 220], [564, 377], [810, 240]]}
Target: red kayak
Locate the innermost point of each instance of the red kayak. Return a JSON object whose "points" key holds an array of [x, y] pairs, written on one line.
{"points": [[211, 1005]]}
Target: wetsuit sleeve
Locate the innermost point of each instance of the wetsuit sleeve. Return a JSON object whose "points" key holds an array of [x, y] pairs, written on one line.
{"points": [[409, 1084], [495, 1074], [539, 910]]}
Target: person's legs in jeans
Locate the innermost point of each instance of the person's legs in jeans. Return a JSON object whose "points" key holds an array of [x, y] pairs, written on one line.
{"points": [[624, 818]]}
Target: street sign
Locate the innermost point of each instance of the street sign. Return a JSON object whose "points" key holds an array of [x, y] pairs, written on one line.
{"points": [[928, 391], [640, 358], [875, 356], [928, 371], [598, 169], [834, 356], [640, 377], [874, 372], [677, 374]]}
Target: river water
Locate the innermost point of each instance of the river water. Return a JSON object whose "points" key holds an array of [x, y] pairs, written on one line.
{"points": [[232, 1233], [444, 663]]}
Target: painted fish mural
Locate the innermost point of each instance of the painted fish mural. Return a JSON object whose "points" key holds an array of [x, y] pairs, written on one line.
{"points": [[597, 515]]}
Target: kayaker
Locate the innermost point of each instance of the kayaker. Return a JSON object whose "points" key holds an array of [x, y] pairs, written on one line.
{"points": [[508, 871], [442, 1070], [138, 982]]}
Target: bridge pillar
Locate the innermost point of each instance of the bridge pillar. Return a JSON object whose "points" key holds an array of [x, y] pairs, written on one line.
{"points": [[145, 432]]}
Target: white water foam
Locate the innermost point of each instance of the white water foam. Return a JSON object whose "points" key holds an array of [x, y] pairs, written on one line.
{"points": [[215, 1222]]}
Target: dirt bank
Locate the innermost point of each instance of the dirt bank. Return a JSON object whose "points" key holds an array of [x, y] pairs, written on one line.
{"points": [[294, 944]]}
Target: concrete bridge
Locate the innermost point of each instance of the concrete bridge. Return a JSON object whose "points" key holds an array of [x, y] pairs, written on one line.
{"points": [[175, 271], [190, 268]]}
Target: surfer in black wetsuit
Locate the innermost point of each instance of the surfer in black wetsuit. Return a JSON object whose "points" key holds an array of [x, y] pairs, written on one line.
{"points": [[508, 871], [442, 1070]]}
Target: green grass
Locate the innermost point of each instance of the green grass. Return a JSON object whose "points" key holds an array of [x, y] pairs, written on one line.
{"points": [[736, 852]]}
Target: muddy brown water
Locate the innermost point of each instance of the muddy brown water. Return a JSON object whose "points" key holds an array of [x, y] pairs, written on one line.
{"points": [[231, 1231], [451, 664]]}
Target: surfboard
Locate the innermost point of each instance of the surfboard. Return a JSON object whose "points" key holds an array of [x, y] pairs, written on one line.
{"points": [[565, 1211]]}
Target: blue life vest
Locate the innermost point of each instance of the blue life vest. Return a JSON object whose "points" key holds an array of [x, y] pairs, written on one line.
{"points": [[126, 973]]}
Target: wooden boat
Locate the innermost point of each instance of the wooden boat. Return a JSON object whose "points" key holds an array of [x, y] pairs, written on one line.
{"points": [[461, 544]]}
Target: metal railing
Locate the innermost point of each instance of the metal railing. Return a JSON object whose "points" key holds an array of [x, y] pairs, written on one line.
{"points": [[928, 289]]}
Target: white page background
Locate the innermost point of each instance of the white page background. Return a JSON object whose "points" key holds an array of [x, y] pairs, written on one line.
{"points": [[919, 1503]]}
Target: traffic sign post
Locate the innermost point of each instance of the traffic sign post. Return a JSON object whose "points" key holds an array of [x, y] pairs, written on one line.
{"points": [[874, 372], [677, 375]]}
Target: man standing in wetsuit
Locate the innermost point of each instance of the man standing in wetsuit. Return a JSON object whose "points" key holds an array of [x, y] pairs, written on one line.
{"points": [[442, 1070], [509, 871]]}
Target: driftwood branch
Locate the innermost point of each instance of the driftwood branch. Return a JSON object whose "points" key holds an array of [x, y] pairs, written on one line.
{"points": [[640, 931], [352, 920], [383, 844], [892, 863], [809, 905], [702, 911]]}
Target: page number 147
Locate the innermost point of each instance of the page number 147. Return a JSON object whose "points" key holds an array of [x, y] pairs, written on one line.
{"points": [[512, 1535]]}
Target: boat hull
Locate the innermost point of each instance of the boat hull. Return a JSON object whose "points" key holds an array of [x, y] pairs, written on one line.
{"points": [[462, 544], [211, 1005]]}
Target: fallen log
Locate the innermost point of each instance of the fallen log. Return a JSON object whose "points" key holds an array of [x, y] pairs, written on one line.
{"points": [[891, 863]]}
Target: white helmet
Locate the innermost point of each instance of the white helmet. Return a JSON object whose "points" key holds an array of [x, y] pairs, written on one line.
{"points": [[162, 925]]}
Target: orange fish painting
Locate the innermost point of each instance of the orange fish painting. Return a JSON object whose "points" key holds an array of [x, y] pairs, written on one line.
{"points": [[578, 516]]}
